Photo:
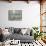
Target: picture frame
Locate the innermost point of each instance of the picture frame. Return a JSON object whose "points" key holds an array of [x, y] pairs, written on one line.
{"points": [[14, 15]]}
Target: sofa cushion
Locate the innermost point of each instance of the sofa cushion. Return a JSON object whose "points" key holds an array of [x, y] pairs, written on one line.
{"points": [[23, 31], [17, 30], [11, 30]]}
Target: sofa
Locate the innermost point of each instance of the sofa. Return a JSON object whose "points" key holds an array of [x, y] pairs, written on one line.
{"points": [[22, 34], [18, 35]]}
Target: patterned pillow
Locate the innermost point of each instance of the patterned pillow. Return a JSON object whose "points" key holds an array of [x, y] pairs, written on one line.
{"points": [[11, 30], [17, 30]]}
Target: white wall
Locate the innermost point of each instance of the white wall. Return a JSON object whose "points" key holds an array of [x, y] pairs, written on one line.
{"points": [[30, 14]]}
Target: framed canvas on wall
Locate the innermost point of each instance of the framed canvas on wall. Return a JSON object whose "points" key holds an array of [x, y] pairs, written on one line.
{"points": [[14, 15]]}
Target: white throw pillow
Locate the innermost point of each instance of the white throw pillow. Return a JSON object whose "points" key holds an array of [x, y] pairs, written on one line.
{"points": [[5, 32], [23, 31]]}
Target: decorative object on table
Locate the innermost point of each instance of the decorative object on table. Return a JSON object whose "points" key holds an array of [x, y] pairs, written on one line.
{"points": [[14, 15]]}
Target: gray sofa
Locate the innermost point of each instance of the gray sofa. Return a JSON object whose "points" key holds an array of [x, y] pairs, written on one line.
{"points": [[15, 33]]}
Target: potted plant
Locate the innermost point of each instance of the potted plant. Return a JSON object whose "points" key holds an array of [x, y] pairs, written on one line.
{"points": [[37, 33]]}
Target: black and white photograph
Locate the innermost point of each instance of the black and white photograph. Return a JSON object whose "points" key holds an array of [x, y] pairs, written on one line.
{"points": [[15, 15]]}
